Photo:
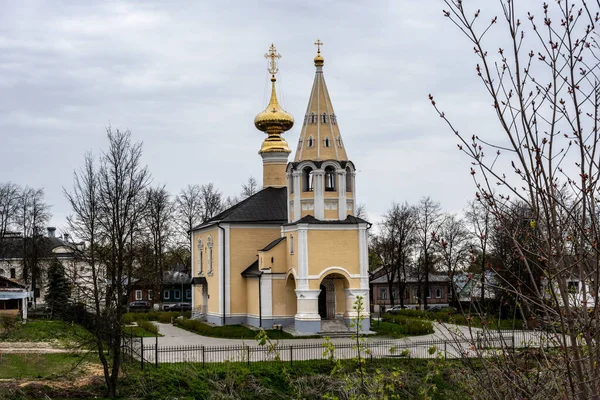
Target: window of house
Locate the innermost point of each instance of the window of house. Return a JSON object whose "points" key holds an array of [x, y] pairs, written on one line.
{"points": [[149, 294], [407, 293], [326, 142], [438, 293], [200, 257], [330, 179], [307, 179], [313, 118], [382, 293], [138, 294], [13, 273], [395, 293], [291, 244], [166, 295], [428, 293], [188, 293], [311, 142], [177, 294], [210, 254], [348, 179], [324, 118]]}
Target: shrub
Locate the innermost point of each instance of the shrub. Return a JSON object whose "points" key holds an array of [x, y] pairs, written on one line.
{"points": [[409, 326], [8, 323], [148, 327]]}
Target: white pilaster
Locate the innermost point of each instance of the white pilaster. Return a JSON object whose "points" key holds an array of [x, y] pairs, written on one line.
{"points": [[319, 194], [341, 175], [363, 254], [266, 289], [227, 270], [351, 295], [297, 181], [307, 305], [302, 256]]}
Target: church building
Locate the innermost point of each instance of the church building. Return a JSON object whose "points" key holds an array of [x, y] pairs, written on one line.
{"points": [[293, 253]]}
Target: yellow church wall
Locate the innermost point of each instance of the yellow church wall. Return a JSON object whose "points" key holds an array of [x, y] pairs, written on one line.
{"points": [[333, 248], [197, 295], [279, 297], [290, 297], [340, 298], [332, 194], [244, 244], [278, 254], [274, 174], [292, 258], [212, 279], [332, 214], [251, 297], [307, 195], [304, 213], [349, 195]]}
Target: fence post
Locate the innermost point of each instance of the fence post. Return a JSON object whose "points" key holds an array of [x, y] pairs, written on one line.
{"points": [[156, 352], [513, 343], [445, 349], [248, 349], [202, 356], [291, 355], [142, 351]]}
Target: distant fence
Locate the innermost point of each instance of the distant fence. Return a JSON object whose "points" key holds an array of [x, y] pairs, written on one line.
{"points": [[148, 351]]}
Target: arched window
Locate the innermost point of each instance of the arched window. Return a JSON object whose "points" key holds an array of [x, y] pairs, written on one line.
{"points": [[299, 144], [200, 257], [326, 142], [291, 244], [330, 179], [307, 179], [339, 141], [324, 118], [333, 119], [313, 118], [311, 142], [209, 244], [348, 179]]}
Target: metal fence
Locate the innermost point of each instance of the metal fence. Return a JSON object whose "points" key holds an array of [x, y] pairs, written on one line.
{"points": [[148, 351]]}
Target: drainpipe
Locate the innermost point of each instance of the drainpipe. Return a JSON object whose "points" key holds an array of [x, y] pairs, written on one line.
{"points": [[223, 272], [260, 300]]}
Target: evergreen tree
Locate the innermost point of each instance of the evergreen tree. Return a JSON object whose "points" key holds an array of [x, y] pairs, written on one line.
{"points": [[57, 289]]}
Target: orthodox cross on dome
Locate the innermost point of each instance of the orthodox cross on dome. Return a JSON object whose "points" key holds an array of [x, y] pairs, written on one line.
{"points": [[318, 43], [272, 56]]}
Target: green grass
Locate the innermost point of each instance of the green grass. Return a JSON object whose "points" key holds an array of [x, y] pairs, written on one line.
{"points": [[400, 326], [227, 331], [161, 316], [139, 332], [447, 316], [42, 366], [65, 333]]}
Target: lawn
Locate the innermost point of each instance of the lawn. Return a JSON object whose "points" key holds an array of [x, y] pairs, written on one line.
{"points": [[459, 319], [43, 366], [227, 331], [61, 332]]}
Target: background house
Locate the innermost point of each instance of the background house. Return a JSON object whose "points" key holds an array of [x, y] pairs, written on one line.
{"points": [[439, 290], [176, 288]]}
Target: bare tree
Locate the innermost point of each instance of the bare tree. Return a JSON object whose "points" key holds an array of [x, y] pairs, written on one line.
{"points": [[453, 244], [188, 205], [9, 206], [158, 223], [108, 203], [212, 201], [543, 82], [394, 246], [361, 211], [427, 222], [33, 217], [249, 188], [477, 216]]}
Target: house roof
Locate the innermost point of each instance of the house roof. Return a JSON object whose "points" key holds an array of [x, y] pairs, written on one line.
{"points": [[176, 277], [433, 278], [8, 284], [309, 219], [273, 244], [12, 246], [252, 270], [267, 206]]}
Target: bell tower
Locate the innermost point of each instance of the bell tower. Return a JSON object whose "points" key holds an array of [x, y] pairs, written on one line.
{"points": [[274, 120], [321, 178]]}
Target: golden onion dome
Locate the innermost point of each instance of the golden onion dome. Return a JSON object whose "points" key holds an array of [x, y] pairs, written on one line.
{"points": [[274, 119], [319, 60]]}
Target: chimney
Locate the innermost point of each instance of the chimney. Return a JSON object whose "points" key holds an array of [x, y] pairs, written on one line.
{"points": [[66, 237], [51, 231]]}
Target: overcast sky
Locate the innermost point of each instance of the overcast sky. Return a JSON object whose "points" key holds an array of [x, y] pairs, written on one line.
{"points": [[188, 77]]}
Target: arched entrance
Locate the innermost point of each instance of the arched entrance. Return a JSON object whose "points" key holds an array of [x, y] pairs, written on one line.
{"points": [[327, 299]]}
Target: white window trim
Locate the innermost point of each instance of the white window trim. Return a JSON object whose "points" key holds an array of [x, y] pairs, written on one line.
{"points": [[188, 293], [150, 294], [291, 244], [438, 290], [138, 294], [200, 256], [210, 254], [166, 295], [177, 294]]}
